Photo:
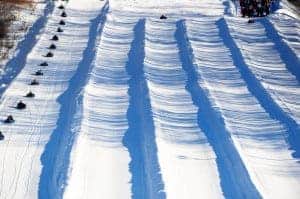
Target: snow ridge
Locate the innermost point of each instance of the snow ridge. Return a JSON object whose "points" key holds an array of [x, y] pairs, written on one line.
{"points": [[283, 26], [235, 180], [259, 139], [198, 105], [288, 56], [55, 158], [280, 103], [100, 162], [140, 138], [185, 157]]}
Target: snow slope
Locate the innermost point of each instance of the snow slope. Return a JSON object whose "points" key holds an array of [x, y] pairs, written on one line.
{"points": [[262, 148], [184, 153], [101, 161], [26, 139], [200, 105]]}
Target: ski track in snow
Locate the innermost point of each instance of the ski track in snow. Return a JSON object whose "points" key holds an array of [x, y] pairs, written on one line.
{"points": [[131, 106], [262, 148]]}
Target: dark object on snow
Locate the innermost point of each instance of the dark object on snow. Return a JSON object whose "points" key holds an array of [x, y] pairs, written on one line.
{"points": [[9, 119], [61, 7], [34, 82], [250, 21], [44, 64], [1, 136], [62, 22], [49, 54], [30, 94], [59, 29], [39, 73], [55, 38], [52, 46], [21, 105], [63, 14], [163, 17]]}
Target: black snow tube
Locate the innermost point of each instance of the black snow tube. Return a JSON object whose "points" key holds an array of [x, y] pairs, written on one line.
{"points": [[55, 38], [62, 22], [9, 119], [21, 105], [34, 82], [44, 64], [30, 94], [1, 136]]}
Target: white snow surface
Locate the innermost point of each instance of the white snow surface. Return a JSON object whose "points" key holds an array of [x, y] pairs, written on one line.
{"points": [[26, 138], [184, 155], [199, 105], [270, 70], [263, 148], [99, 156]]}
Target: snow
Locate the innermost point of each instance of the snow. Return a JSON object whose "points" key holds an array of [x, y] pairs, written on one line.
{"points": [[184, 155], [26, 19], [200, 105], [23, 40], [255, 44], [262, 148], [284, 25], [26, 139], [105, 104], [288, 9]]}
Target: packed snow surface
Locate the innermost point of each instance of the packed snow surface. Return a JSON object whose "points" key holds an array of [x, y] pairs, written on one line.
{"points": [[199, 105]]}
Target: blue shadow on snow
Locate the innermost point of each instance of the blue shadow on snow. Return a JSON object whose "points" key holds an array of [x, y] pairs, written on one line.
{"points": [[140, 137], [17, 63], [288, 56], [257, 90], [234, 177], [58, 149]]}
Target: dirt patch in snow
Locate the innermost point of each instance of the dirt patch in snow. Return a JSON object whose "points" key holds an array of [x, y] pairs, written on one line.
{"points": [[11, 24]]}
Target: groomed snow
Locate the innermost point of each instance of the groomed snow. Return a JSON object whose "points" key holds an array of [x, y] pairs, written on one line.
{"points": [[26, 139], [100, 161], [266, 63], [187, 161], [260, 140], [199, 105]]}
